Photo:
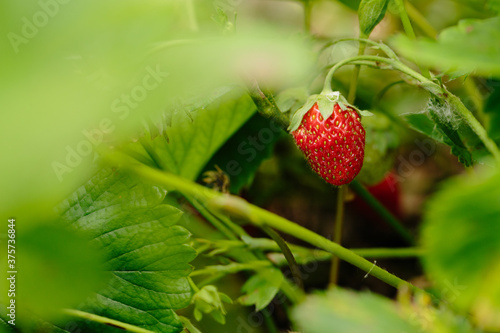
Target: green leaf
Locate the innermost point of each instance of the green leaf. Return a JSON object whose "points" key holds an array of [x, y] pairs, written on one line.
{"points": [[370, 13], [351, 312], [146, 253], [57, 259], [472, 45], [261, 288], [195, 133], [461, 238], [242, 154]]}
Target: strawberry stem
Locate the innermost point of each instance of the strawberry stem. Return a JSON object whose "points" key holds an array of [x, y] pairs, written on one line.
{"points": [[337, 235], [351, 97]]}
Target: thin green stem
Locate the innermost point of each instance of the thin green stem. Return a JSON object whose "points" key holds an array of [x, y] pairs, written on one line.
{"points": [[294, 268], [259, 217], [337, 235], [394, 64], [420, 21], [271, 325], [390, 253], [368, 42], [307, 16], [210, 218], [192, 284], [105, 321], [231, 268], [191, 12], [409, 29], [307, 256], [382, 211], [354, 77], [384, 90], [405, 19]]}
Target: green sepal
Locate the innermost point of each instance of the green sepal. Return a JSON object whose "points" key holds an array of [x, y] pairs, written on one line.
{"points": [[326, 103], [325, 106], [365, 113], [299, 114]]}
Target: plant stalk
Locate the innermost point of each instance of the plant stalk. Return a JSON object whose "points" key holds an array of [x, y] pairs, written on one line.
{"points": [[337, 235], [351, 97], [409, 29], [294, 268], [106, 321]]}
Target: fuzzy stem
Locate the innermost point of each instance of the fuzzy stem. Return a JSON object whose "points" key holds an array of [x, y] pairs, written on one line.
{"points": [[337, 235], [266, 106], [382, 211], [106, 321], [475, 125]]}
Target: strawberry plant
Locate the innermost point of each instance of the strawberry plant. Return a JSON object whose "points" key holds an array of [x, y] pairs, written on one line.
{"points": [[250, 166]]}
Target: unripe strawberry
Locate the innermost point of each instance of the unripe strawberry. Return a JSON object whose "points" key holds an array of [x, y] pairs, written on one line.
{"points": [[334, 146]]}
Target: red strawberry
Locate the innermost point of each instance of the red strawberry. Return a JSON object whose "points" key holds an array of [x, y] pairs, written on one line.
{"points": [[334, 147]]}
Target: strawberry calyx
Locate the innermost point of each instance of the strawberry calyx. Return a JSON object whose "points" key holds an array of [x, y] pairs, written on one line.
{"points": [[326, 102]]}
